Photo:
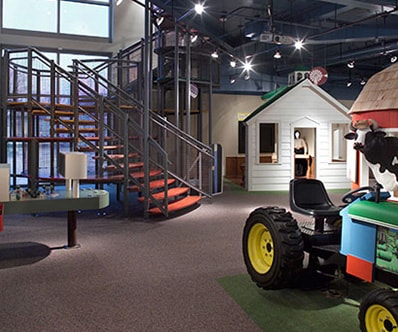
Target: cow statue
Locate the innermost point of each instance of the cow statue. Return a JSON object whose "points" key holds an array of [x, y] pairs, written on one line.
{"points": [[380, 151]]}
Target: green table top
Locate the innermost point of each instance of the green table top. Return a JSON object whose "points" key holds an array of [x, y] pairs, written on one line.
{"points": [[61, 201], [382, 214]]}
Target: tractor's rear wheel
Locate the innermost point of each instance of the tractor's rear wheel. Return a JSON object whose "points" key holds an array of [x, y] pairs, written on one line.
{"points": [[379, 311], [273, 248]]}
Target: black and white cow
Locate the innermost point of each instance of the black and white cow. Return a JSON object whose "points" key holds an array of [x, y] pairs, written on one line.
{"points": [[380, 151]]}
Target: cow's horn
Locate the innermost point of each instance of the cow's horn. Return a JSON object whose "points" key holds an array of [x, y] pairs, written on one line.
{"points": [[352, 128], [373, 124]]}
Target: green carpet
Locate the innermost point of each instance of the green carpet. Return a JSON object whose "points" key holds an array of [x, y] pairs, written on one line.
{"points": [[297, 310]]}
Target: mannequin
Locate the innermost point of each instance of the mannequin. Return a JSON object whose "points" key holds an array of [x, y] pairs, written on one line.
{"points": [[300, 147]]}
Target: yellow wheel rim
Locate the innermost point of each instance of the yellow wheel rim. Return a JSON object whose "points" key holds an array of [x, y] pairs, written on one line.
{"points": [[260, 248], [378, 318]]}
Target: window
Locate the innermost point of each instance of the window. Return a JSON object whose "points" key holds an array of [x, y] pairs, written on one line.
{"points": [[84, 18], [268, 143], [241, 138], [339, 145]]}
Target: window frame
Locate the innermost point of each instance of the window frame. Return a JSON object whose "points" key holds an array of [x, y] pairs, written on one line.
{"points": [[345, 128], [274, 155], [58, 34]]}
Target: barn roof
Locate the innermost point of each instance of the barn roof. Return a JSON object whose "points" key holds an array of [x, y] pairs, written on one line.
{"points": [[272, 96], [379, 93]]}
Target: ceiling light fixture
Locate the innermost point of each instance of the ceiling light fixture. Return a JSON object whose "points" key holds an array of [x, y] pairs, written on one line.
{"points": [[351, 64], [194, 38], [363, 82], [247, 66], [199, 8], [277, 54], [214, 55], [232, 79], [349, 83], [232, 63], [393, 58], [298, 44], [247, 77]]}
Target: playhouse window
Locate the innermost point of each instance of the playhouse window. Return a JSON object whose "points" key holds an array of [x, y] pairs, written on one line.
{"points": [[268, 143], [339, 145]]}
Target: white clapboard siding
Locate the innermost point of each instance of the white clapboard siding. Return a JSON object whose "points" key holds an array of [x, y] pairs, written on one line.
{"points": [[304, 105]]}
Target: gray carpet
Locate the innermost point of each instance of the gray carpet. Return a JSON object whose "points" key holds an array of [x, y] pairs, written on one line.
{"points": [[128, 275]]}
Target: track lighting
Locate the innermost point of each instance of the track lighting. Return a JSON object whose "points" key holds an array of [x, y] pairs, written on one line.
{"points": [[247, 77], [232, 63], [349, 83], [351, 64], [363, 82], [277, 54], [247, 66], [194, 38], [232, 79], [298, 44], [393, 58], [214, 55], [199, 8]]}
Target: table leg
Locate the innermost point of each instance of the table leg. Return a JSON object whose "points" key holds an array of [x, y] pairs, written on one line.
{"points": [[72, 230]]}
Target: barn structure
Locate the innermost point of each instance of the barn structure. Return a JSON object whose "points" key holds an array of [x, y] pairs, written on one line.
{"points": [[377, 101], [322, 121]]}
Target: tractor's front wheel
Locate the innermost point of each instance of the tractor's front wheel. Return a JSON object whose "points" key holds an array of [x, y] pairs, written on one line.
{"points": [[379, 311], [273, 248]]}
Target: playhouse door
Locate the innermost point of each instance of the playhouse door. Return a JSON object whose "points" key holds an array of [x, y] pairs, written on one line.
{"points": [[304, 152]]}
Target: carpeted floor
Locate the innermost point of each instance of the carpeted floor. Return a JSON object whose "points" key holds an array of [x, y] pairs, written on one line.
{"points": [[132, 274], [328, 309]]}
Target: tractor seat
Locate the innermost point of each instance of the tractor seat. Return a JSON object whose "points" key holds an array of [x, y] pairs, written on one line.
{"points": [[309, 197]]}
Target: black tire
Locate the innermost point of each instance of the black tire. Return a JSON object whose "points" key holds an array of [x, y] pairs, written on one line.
{"points": [[379, 311], [273, 248]]}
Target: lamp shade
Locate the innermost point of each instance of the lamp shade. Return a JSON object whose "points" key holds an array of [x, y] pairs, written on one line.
{"points": [[73, 165]]}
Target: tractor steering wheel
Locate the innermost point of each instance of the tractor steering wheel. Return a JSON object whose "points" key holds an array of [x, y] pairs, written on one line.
{"points": [[356, 193]]}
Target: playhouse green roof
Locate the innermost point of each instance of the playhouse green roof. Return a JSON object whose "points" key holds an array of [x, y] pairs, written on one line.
{"points": [[270, 97]]}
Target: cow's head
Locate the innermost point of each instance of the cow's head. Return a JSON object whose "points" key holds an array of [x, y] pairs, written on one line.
{"points": [[359, 129]]}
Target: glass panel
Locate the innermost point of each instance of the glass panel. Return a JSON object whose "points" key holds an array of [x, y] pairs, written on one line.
{"points": [[268, 143], [33, 15], [84, 19], [339, 144]]}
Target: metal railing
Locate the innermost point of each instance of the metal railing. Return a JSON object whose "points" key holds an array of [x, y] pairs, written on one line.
{"points": [[40, 86]]}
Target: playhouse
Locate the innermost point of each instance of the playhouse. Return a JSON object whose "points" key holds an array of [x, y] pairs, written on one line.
{"points": [[317, 119]]}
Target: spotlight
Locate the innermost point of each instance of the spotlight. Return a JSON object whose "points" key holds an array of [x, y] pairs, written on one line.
{"points": [[363, 82], [194, 38], [247, 66], [199, 8], [277, 54], [351, 64], [232, 63], [214, 55], [232, 79], [247, 77], [393, 58], [349, 83], [298, 44]]}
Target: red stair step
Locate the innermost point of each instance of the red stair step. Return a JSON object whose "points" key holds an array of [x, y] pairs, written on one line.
{"points": [[178, 205], [153, 184], [112, 168], [172, 192], [118, 156], [137, 175]]}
